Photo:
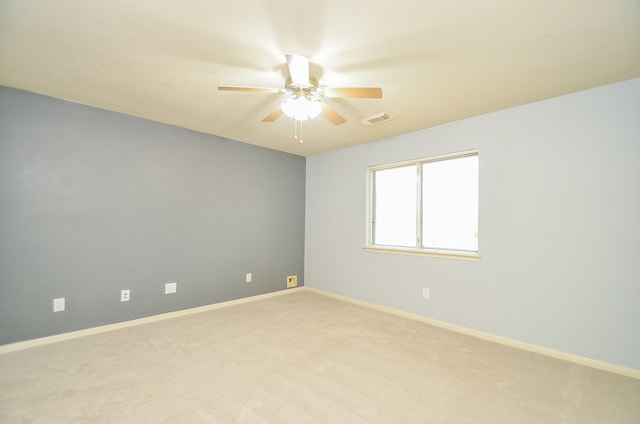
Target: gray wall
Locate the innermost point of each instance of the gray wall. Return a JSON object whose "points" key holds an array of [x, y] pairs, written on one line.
{"points": [[559, 226], [92, 202]]}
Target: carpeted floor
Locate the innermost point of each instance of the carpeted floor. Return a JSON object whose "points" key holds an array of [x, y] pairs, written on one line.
{"points": [[302, 358]]}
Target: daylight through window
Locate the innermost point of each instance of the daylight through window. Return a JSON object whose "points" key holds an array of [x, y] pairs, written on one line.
{"points": [[425, 206]]}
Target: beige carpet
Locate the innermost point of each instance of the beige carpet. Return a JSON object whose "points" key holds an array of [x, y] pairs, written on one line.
{"points": [[302, 358]]}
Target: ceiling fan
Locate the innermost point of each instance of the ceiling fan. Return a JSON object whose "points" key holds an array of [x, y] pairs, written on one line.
{"points": [[304, 95]]}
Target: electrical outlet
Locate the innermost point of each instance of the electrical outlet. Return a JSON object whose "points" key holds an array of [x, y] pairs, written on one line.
{"points": [[425, 293], [125, 295], [58, 304], [170, 288], [248, 277], [292, 281]]}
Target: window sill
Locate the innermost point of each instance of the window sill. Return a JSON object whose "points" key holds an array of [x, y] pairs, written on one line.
{"points": [[445, 254]]}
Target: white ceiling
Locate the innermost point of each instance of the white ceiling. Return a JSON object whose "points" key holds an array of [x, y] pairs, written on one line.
{"points": [[437, 61]]}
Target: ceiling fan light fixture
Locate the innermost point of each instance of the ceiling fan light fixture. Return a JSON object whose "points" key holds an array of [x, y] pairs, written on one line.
{"points": [[301, 108]]}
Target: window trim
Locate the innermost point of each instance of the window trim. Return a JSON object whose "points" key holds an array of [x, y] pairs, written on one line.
{"points": [[370, 218]]}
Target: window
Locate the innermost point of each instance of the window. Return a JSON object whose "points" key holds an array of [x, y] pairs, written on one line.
{"points": [[426, 206]]}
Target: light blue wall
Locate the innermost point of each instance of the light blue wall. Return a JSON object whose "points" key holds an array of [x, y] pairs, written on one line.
{"points": [[92, 202], [559, 226]]}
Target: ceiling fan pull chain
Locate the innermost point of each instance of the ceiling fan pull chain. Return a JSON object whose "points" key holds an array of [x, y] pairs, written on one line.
{"points": [[297, 124], [301, 140]]}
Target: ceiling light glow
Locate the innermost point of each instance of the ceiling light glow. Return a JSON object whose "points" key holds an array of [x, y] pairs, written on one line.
{"points": [[301, 108]]}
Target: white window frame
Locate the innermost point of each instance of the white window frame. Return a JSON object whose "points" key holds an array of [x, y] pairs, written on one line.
{"points": [[370, 226]]}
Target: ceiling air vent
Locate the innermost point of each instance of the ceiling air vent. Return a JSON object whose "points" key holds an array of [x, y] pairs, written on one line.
{"points": [[377, 118]]}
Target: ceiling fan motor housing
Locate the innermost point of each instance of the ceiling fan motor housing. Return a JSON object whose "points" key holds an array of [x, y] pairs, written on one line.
{"points": [[305, 90]]}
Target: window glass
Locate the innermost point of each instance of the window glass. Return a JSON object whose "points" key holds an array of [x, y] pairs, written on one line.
{"points": [[450, 204], [395, 206]]}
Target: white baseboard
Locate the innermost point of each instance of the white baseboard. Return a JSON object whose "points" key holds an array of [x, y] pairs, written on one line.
{"points": [[581, 360], [604, 366], [12, 347]]}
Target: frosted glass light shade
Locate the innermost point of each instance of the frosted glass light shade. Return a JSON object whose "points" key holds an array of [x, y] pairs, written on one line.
{"points": [[301, 108]]}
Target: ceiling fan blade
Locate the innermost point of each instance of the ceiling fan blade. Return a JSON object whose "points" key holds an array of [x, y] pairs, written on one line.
{"points": [[273, 115], [298, 69], [353, 92], [332, 115], [251, 89]]}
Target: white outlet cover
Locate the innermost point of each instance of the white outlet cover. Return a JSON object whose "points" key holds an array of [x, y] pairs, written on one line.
{"points": [[170, 288], [58, 304], [425, 293], [248, 277], [125, 295]]}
